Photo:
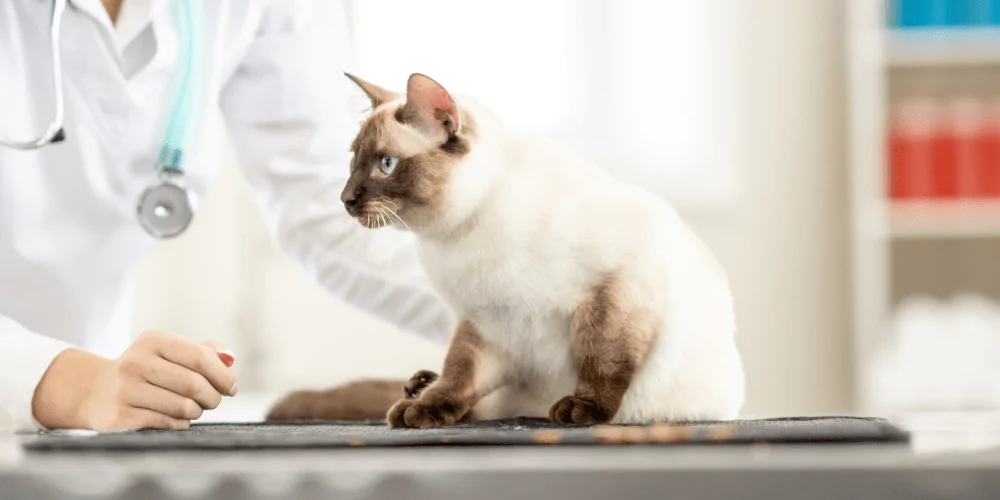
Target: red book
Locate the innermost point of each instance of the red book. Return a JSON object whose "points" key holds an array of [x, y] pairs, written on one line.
{"points": [[989, 146], [899, 145], [961, 168], [912, 146], [945, 165]]}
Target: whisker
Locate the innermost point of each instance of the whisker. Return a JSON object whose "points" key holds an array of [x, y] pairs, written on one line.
{"points": [[388, 264], [393, 204], [381, 215], [400, 219]]}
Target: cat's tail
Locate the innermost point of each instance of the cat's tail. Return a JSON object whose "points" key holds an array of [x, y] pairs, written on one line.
{"points": [[367, 399], [355, 401]]}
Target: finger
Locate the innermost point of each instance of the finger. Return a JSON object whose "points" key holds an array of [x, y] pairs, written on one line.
{"points": [[142, 418], [225, 355], [160, 400], [180, 380], [198, 358]]}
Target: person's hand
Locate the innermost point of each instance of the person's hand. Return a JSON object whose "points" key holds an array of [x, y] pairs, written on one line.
{"points": [[161, 382]]}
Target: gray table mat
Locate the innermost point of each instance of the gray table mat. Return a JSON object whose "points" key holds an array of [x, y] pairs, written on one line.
{"points": [[508, 432]]}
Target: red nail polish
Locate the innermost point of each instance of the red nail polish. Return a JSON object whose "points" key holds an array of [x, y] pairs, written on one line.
{"points": [[227, 358]]}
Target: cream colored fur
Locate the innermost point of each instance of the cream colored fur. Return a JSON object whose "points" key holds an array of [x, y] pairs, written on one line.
{"points": [[528, 229]]}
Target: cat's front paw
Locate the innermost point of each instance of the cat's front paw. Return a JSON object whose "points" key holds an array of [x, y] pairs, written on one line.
{"points": [[418, 382], [395, 416], [427, 412], [574, 410]]}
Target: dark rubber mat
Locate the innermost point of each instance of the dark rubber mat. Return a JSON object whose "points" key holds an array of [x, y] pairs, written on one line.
{"points": [[510, 432]]}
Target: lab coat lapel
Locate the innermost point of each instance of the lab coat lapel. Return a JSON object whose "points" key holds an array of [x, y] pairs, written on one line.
{"points": [[134, 17], [96, 10]]}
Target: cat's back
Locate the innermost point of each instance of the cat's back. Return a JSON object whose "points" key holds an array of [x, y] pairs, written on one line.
{"points": [[553, 193], [583, 214], [556, 224]]}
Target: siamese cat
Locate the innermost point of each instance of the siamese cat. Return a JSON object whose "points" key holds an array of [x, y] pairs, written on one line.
{"points": [[581, 298]]}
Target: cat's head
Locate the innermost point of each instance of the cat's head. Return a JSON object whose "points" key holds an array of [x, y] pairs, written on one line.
{"points": [[409, 165]]}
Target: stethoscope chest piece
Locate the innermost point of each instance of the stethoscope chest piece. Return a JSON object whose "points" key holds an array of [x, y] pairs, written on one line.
{"points": [[166, 208]]}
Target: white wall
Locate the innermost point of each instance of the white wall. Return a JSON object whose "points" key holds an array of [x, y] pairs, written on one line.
{"points": [[783, 242]]}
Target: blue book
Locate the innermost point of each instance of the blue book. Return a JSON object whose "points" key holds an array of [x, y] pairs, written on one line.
{"points": [[926, 13], [963, 13], [941, 13], [894, 13]]}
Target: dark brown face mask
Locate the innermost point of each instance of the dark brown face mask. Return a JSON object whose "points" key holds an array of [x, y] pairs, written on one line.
{"points": [[404, 153]]}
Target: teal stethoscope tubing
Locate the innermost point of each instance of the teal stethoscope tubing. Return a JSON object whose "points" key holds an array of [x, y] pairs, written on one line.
{"points": [[178, 127], [166, 209]]}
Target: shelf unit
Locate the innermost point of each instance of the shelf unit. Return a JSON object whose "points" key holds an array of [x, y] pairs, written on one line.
{"points": [[874, 53], [922, 48], [944, 219]]}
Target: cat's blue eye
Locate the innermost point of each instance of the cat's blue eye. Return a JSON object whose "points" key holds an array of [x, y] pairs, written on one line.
{"points": [[388, 164]]}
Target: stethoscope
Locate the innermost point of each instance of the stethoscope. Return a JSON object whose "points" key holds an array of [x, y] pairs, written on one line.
{"points": [[166, 208]]}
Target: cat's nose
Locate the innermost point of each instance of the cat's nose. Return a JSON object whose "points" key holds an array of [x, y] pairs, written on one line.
{"points": [[350, 198]]}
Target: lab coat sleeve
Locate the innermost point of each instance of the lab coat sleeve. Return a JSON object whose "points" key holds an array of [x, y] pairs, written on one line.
{"points": [[287, 111], [24, 358]]}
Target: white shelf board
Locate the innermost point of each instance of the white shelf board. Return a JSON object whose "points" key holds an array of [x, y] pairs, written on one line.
{"points": [[945, 219], [933, 47]]}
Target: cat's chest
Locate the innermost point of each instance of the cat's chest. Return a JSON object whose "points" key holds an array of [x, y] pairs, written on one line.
{"points": [[477, 279], [496, 282], [535, 345]]}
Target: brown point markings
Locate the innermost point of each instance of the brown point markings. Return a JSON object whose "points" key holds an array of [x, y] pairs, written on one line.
{"points": [[359, 400], [424, 170], [611, 337], [449, 399]]}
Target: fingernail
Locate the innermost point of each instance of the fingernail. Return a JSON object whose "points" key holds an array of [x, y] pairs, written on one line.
{"points": [[228, 357], [233, 391]]}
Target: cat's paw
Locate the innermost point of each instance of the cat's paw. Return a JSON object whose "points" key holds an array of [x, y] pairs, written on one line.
{"points": [[395, 415], [427, 412], [418, 382], [574, 410]]}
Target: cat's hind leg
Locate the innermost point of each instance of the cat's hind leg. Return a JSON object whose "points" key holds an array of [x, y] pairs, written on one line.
{"points": [[611, 337]]}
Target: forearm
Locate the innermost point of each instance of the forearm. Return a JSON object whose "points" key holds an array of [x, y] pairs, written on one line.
{"points": [[60, 395], [25, 356]]}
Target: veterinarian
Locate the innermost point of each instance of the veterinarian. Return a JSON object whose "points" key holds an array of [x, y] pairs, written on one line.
{"points": [[108, 143]]}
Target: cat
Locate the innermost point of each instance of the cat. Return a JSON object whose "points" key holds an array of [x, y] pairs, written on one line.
{"points": [[581, 298]]}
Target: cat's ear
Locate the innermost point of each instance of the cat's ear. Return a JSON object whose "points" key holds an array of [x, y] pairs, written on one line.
{"points": [[377, 95], [430, 108]]}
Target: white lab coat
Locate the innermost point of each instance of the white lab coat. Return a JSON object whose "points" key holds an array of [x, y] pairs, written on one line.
{"points": [[69, 238]]}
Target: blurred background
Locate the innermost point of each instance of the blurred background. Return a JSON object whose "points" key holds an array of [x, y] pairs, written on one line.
{"points": [[841, 157]]}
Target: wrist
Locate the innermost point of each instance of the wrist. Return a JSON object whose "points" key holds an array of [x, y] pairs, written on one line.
{"points": [[60, 398]]}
